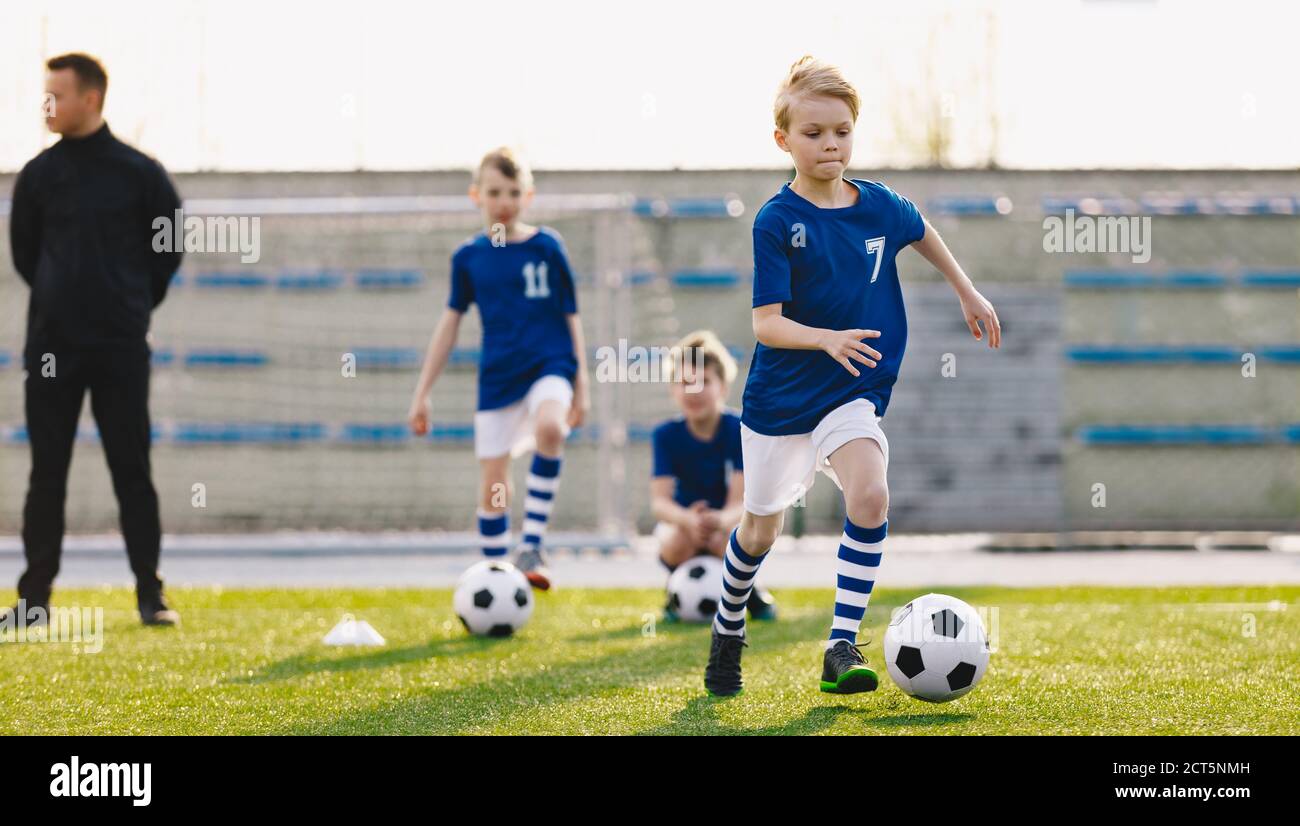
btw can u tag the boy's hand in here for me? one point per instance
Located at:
(581, 401)
(976, 308)
(846, 346)
(418, 416)
(699, 527)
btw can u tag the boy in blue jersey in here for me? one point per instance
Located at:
(533, 386)
(824, 283)
(698, 485)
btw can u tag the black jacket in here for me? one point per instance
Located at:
(81, 228)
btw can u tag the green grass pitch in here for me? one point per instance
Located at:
(1068, 661)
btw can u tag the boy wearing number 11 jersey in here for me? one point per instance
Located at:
(532, 386)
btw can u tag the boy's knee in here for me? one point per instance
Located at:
(549, 434)
(758, 535)
(867, 505)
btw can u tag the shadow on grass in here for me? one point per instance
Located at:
(320, 662)
(905, 720)
(669, 656)
(700, 717)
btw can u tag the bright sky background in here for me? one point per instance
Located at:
(265, 85)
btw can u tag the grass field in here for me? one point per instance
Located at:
(1068, 660)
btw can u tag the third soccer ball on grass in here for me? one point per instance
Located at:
(493, 599)
(936, 648)
(694, 588)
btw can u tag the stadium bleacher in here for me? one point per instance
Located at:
(1109, 373)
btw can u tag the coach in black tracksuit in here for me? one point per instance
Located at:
(81, 227)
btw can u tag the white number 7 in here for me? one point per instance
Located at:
(876, 245)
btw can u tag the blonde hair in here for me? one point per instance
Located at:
(809, 76)
(704, 347)
(506, 161)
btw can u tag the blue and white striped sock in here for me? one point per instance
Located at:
(494, 532)
(738, 570)
(855, 569)
(543, 481)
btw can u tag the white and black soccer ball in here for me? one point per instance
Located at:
(936, 648)
(493, 599)
(695, 587)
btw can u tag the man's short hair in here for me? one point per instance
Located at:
(809, 76)
(90, 73)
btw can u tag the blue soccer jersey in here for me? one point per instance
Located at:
(701, 470)
(524, 291)
(834, 269)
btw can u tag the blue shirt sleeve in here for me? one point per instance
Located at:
(568, 294)
(462, 288)
(910, 222)
(663, 459)
(771, 267)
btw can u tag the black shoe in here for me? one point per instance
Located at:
(25, 614)
(845, 671)
(532, 562)
(722, 675)
(154, 611)
(761, 605)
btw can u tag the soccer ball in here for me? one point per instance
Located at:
(695, 587)
(493, 599)
(936, 648)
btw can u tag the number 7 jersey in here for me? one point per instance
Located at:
(524, 291)
(833, 269)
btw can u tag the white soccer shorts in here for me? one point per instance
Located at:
(510, 429)
(779, 470)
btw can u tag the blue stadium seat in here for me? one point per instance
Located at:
(705, 278)
(1146, 354)
(1253, 204)
(727, 206)
(451, 432)
(1089, 204)
(1271, 279)
(309, 281)
(375, 279)
(231, 280)
(226, 358)
(1176, 203)
(374, 433)
(387, 358)
(248, 432)
(1106, 279)
(464, 356)
(969, 205)
(1179, 435)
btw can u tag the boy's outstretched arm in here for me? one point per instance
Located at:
(974, 307)
(435, 359)
(775, 330)
(581, 383)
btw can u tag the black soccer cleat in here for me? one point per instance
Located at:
(845, 671)
(532, 563)
(155, 611)
(761, 605)
(722, 674)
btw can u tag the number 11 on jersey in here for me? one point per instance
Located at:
(535, 285)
